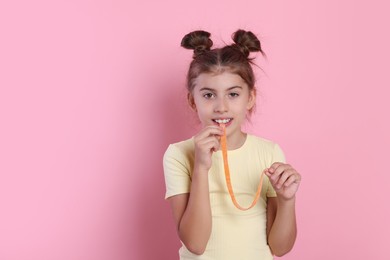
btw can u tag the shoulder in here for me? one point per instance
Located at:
(261, 142)
(177, 164)
(266, 146)
(180, 150)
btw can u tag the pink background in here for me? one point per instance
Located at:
(92, 93)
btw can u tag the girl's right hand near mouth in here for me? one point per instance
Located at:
(206, 141)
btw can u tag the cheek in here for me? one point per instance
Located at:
(202, 113)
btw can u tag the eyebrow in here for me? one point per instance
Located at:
(211, 89)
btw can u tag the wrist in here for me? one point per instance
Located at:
(286, 201)
(201, 169)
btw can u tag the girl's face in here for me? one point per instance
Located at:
(222, 98)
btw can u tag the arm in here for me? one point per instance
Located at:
(281, 225)
(192, 214)
(281, 219)
(191, 211)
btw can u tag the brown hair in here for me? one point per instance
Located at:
(234, 57)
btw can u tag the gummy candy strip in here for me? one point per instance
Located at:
(227, 175)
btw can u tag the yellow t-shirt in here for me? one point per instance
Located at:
(235, 234)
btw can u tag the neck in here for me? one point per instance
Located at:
(236, 140)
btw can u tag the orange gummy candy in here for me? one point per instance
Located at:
(227, 174)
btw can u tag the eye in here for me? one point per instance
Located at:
(208, 95)
(233, 94)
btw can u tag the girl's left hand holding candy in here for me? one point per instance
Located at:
(284, 178)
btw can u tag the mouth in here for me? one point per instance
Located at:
(225, 121)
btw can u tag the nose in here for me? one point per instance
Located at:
(221, 105)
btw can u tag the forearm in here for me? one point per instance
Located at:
(195, 225)
(283, 232)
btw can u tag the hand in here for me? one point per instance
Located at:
(284, 178)
(206, 141)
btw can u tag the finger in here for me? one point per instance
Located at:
(214, 127)
(210, 130)
(200, 141)
(215, 146)
(283, 177)
(267, 171)
(279, 168)
(273, 178)
(210, 144)
(209, 138)
(295, 178)
(276, 170)
(274, 166)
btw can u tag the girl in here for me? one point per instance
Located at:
(221, 89)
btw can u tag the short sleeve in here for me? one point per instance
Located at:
(277, 156)
(176, 172)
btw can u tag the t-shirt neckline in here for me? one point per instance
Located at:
(242, 147)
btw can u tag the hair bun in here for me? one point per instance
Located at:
(199, 41)
(246, 42)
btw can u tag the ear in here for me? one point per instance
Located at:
(191, 101)
(251, 100)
